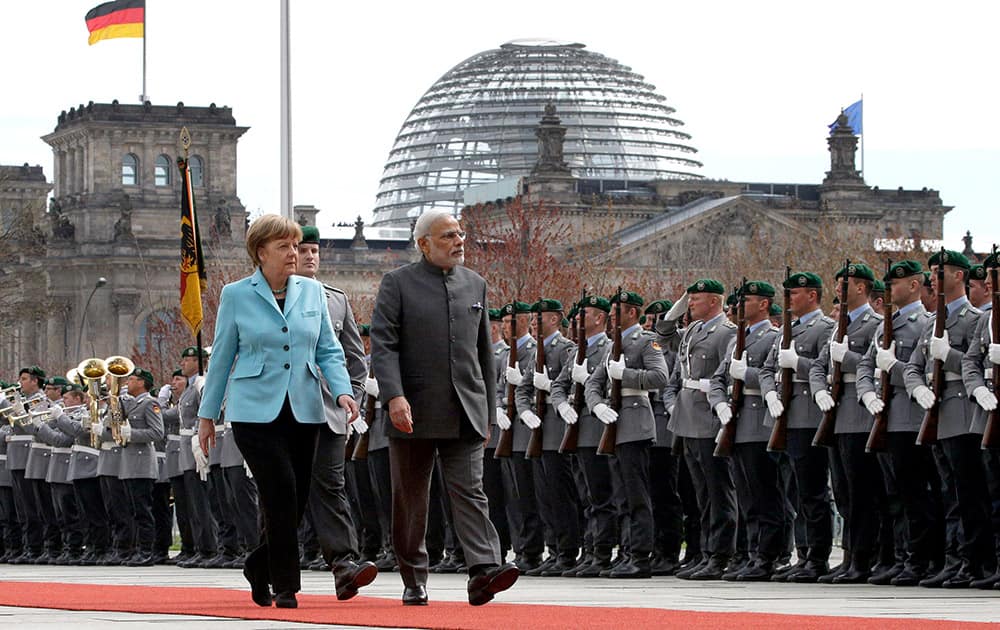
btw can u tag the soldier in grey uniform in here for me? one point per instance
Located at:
(959, 444)
(641, 370)
(35, 470)
(912, 464)
(701, 348)
(378, 470)
(241, 498)
(767, 527)
(811, 331)
(555, 487)
(116, 501)
(527, 535)
(229, 551)
(492, 468)
(170, 411)
(596, 471)
(10, 530)
(865, 488)
(31, 379)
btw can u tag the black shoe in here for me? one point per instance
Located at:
(713, 570)
(885, 575)
(938, 580)
(544, 566)
(837, 571)
(736, 566)
(219, 561)
(451, 564)
(661, 566)
(963, 579)
(320, 565)
(909, 576)
(350, 576)
(236, 563)
(781, 573)
(634, 569)
(192, 562)
(810, 573)
(484, 586)
(386, 561)
(582, 563)
(286, 600)
(415, 596)
(759, 571)
(686, 573)
(162, 558)
(691, 558)
(183, 556)
(44, 558)
(852, 576)
(260, 589)
(987, 582)
(141, 560)
(89, 559)
(560, 566)
(595, 568)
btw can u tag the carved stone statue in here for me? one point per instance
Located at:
(123, 226)
(223, 221)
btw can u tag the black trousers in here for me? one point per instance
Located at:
(329, 511)
(794, 517)
(633, 466)
(892, 530)
(689, 503)
(668, 511)
(812, 476)
(163, 519)
(766, 508)
(991, 468)
(52, 532)
(561, 502)
(493, 487)
(68, 516)
(841, 496)
(713, 480)
(975, 543)
(280, 455)
(227, 538)
(10, 528)
(914, 472)
(199, 510)
(364, 514)
(527, 535)
(603, 515)
(27, 512)
(946, 502)
(241, 495)
(97, 532)
(116, 504)
(140, 497)
(865, 495)
(181, 507)
(381, 482)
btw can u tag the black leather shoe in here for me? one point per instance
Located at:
(837, 571)
(260, 589)
(634, 569)
(528, 563)
(350, 576)
(686, 573)
(544, 566)
(937, 580)
(759, 571)
(386, 561)
(595, 568)
(963, 579)
(415, 596)
(560, 566)
(808, 574)
(664, 566)
(910, 576)
(885, 575)
(220, 561)
(691, 558)
(484, 586)
(852, 576)
(735, 568)
(714, 570)
(585, 561)
(987, 582)
(286, 600)
(141, 560)
(45, 558)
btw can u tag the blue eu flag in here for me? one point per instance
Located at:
(854, 118)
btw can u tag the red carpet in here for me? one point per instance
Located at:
(383, 612)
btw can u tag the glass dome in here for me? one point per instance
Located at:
(476, 125)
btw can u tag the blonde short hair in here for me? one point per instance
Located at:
(268, 228)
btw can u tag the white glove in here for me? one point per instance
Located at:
(774, 406)
(97, 428)
(514, 376)
(371, 387)
(542, 381)
(580, 373)
(995, 352)
(824, 400)
(163, 396)
(670, 410)
(738, 368)
(616, 368)
(872, 403)
(200, 457)
(838, 350)
(246, 467)
(924, 396)
(705, 385)
(530, 420)
(502, 420)
(788, 359)
(359, 426)
(725, 412)
(986, 399)
(678, 309)
(940, 347)
(605, 414)
(886, 358)
(126, 432)
(567, 412)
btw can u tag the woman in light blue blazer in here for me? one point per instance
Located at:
(273, 344)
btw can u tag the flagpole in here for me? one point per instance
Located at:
(862, 135)
(286, 114)
(142, 97)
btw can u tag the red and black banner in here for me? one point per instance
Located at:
(121, 18)
(193, 276)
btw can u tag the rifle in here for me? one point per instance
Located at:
(361, 446)
(534, 448)
(991, 436)
(827, 427)
(610, 436)
(572, 433)
(876, 439)
(505, 443)
(727, 434)
(779, 432)
(929, 427)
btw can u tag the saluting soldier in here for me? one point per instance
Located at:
(959, 445)
(701, 348)
(555, 488)
(641, 369)
(767, 527)
(811, 331)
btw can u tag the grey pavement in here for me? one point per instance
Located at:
(671, 593)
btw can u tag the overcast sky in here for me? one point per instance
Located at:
(755, 82)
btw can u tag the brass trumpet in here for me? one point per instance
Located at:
(22, 409)
(119, 368)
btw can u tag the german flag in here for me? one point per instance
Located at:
(193, 276)
(121, 18)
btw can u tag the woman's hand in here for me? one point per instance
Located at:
(349, 405)
(206, 433)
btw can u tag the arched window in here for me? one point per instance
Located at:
(197, 171)
(161, 171)
(130, 170)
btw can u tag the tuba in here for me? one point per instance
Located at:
(89, 374)
(119, 368)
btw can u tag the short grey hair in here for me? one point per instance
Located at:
(424, 222)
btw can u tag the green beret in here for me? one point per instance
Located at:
(803, 279)
(878, 286)
(903, 269)
(991, 262)
(192, 351)
(977, 272)
(4, 384)
(365, 330)
(642, 320)
(856, 270)
(707, 285)
(659, 306)
(33, 370)
(547, 305)
(177, 372)
(950, 257)
(145, 375)
(519, 308)
(755, 287)
(596, 301)
(927, 279)
(495, 314)
(310, 234)
(57, 381)
(732, 299)
(573, 312)
(564, 323)
(627, 297)
(73, 388)
(774, 310)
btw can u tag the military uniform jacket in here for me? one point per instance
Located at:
(905, 415)
(526, 364)
(750, 426)
(39, 452)
(501, 351)
(172, 435)
(230, 455)
(977, 370)
(590, 428)
(19, 448)
(663, 400)
(852, 416)
(701, 350)
(345, 329)
(138, 459)
(5, 482)
(559, 353)
(808, 338)
(955, 407)
(58, 471)
(83, 459)
(187, 409)
(645, 370)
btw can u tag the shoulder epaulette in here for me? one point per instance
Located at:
(728, 324)
(828, 320)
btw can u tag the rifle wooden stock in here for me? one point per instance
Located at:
(991, 435)
(928, 433)
(349, 445)
(360, 452)
(727, 434)
(534, 448)
(505, 442)
(610, 435)
(571, 435)
(880, 428)
(779, 432)
(827, 428)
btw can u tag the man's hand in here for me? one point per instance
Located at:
(206, 434)
(400, 414)
(885, 358)
(580, 373)
(502, 420)
(349, 405)
(514, 376)
(838, 350)
(541, 381)
(940, 347)
(924, 396)
(738, 368)
(824, 400)
(872, 403)
(725, 413)
(530, 420)
(788, 358)
(605, 414)
(567, 412)
(986, 399)
(774, 405)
